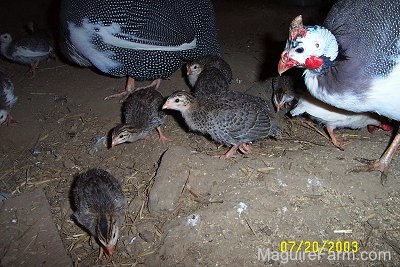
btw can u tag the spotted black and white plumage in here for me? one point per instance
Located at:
(142, 114)
(229, 118)
(7, 97)
(143, 39)
(352, 62)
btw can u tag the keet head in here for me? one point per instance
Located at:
(107, 232)
(179, 101)
(5, 38)
(124, 133)
(307, 47)
(3, 116)
(193, 70)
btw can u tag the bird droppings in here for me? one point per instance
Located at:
(193, 220)
(314, 182)
(241, 207)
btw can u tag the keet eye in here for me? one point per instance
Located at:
(317, 45)
(176, 100)
(299, 50)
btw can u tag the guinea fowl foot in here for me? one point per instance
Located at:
(245, 148)
(10, 120)
(381, 164)
(32, 71)
(231, 153)
(130, 87)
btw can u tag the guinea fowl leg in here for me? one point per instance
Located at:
(32, 70)
(162, 138)
(130, 87)
(381, 164)
(338, 143)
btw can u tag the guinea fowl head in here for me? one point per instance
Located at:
(107, 232)
(308, 47)
(3, 115)
(124, 133)
(180, 101)
(193, 70)
(5, 38)
(283, 93)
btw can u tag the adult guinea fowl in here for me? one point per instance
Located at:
(99, 206)
(229, 118)
(142, 114)
(139, 39)
(352, 62)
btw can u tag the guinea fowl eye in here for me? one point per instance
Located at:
(317, 45)
(299, 50)
(177, 100)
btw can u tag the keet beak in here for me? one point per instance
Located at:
(286, 62)
(188, 70)
(166, 105)
(110, 249)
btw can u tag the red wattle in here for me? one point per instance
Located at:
(313, 62)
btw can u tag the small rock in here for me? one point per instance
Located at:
(147, 236)
(69, 164)
(170, 179)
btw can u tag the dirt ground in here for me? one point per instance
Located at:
(186, 208)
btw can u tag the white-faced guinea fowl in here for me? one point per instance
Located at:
(27, 50)
(195, 67)
(352, 62)
(229, 119)
(138, 39)
(142, 114)
(7, 98)
(99, 204)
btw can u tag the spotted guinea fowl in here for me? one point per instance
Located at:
(229, 119)
(142, 114)
(195, 67)
(99, 206)
(139, 39)
(7, 98)
(352, 62)
(27, 50)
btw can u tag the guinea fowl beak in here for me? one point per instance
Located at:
(286, 62)
(166, 105)
(110, 249)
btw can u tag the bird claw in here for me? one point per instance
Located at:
(372, 165)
